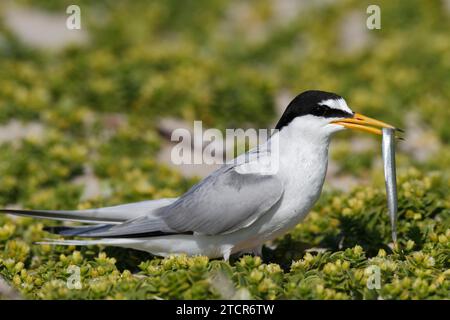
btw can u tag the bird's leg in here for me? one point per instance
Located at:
(226, 253)
(257, 251)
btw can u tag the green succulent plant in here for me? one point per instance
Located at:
(226, 63)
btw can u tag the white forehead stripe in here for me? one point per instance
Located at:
(339, 104)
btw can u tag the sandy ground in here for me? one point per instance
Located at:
(7, 292)
(40, 29)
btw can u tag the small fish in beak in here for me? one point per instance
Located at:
(364, 123)
(388, 151)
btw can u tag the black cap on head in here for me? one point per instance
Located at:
(308, 103)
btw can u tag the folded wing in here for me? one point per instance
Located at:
(224, 202)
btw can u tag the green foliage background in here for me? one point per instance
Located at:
(225, 62)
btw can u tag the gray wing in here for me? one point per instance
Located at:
(223, 202)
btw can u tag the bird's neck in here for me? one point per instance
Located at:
(303, 160)
(306, 143)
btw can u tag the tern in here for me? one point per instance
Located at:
(238, 207)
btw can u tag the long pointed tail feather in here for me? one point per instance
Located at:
(75, 230)
(108, 215)
(108, 242)
(86, 216)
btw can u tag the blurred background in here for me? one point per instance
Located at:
(85, 115)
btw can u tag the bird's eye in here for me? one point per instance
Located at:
(328, 112)
(320, 111)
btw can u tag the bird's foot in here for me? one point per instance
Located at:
(256, 251)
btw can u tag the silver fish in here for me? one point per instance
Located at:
(390, 177)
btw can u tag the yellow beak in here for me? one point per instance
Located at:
(363, 123)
